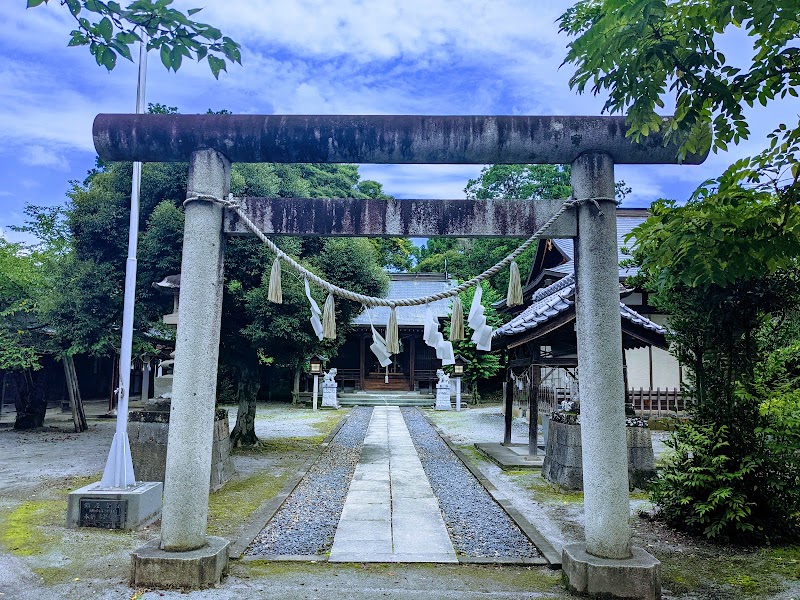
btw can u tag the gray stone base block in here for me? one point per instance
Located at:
(115, 508)
(148, 431)
(153, 567)
(443, 397)
(637, 577)
(563, 462)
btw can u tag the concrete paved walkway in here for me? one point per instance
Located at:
(390, 514)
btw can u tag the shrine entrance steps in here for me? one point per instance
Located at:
(387, 398)
(391, 513)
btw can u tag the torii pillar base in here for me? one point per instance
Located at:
(636, 577)
(203, 568)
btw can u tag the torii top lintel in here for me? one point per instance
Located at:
(379, 139)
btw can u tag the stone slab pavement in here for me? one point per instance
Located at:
(390, 514)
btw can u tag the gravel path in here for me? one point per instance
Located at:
(306, 522)
(478, 526)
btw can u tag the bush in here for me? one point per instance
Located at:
(701, 488)
(748, 490)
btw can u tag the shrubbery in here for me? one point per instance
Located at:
(746, 487)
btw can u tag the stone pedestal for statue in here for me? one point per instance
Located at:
(329, 399)
(443, 396)
(148, 431)
(162, 386)
(563, 461)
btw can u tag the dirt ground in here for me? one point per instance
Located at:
(41, 558)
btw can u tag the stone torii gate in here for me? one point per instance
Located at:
(184, 555)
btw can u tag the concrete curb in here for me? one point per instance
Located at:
(267, 510)
(489, 560)
(552, 558)
(285, 558)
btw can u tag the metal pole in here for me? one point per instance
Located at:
(458, 394)
(314, 394)
(119, 467)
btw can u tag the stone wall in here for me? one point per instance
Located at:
(563, 461)
(148, 432)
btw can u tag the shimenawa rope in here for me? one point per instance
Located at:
(373, 300)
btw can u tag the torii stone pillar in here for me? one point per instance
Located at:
(605, 564)
(183, 525)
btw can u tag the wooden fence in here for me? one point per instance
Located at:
(657, 402)
(646, 403)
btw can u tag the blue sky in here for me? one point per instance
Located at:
(315, 56)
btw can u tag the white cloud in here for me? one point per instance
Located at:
(39, 156)
(320, 56)
(422, 181)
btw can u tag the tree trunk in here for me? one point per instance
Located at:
(31, 402)
(476, 397)
(244, 432)
(75, 402)
(296, 386)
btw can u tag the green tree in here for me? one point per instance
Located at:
(641, 53)
(25, 340)
(725, 265)
(725, 268)
(465, 258)
(256, 331)
(109, 30)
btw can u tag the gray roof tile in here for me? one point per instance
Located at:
(558, 298)
(410, 285)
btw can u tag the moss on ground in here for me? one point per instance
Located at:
(543, 490)
(27, 528)
(22, 530)
(733, 574)
(329, 420)
(36, 530)
(283, 445)
(231, 506)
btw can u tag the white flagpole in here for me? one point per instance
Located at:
(119, 467)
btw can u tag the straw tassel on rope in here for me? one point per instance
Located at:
(392, 334)
(457, 321)
(275, 293)
(514, 296)
(329, 318)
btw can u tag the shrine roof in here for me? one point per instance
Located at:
(627, 220)
(410, 285)
(554, 300)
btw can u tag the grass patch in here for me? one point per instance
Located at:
(32, 526)
(478, 577)
(283, 445)
(239, 499)
(785, 561)
(543, 490)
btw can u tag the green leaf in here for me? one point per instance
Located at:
(105, 29)
(217, 65)
(175, 58)
(166, 58)
(93, 6)
(34, 3)
(109, 59)
(193, 11)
